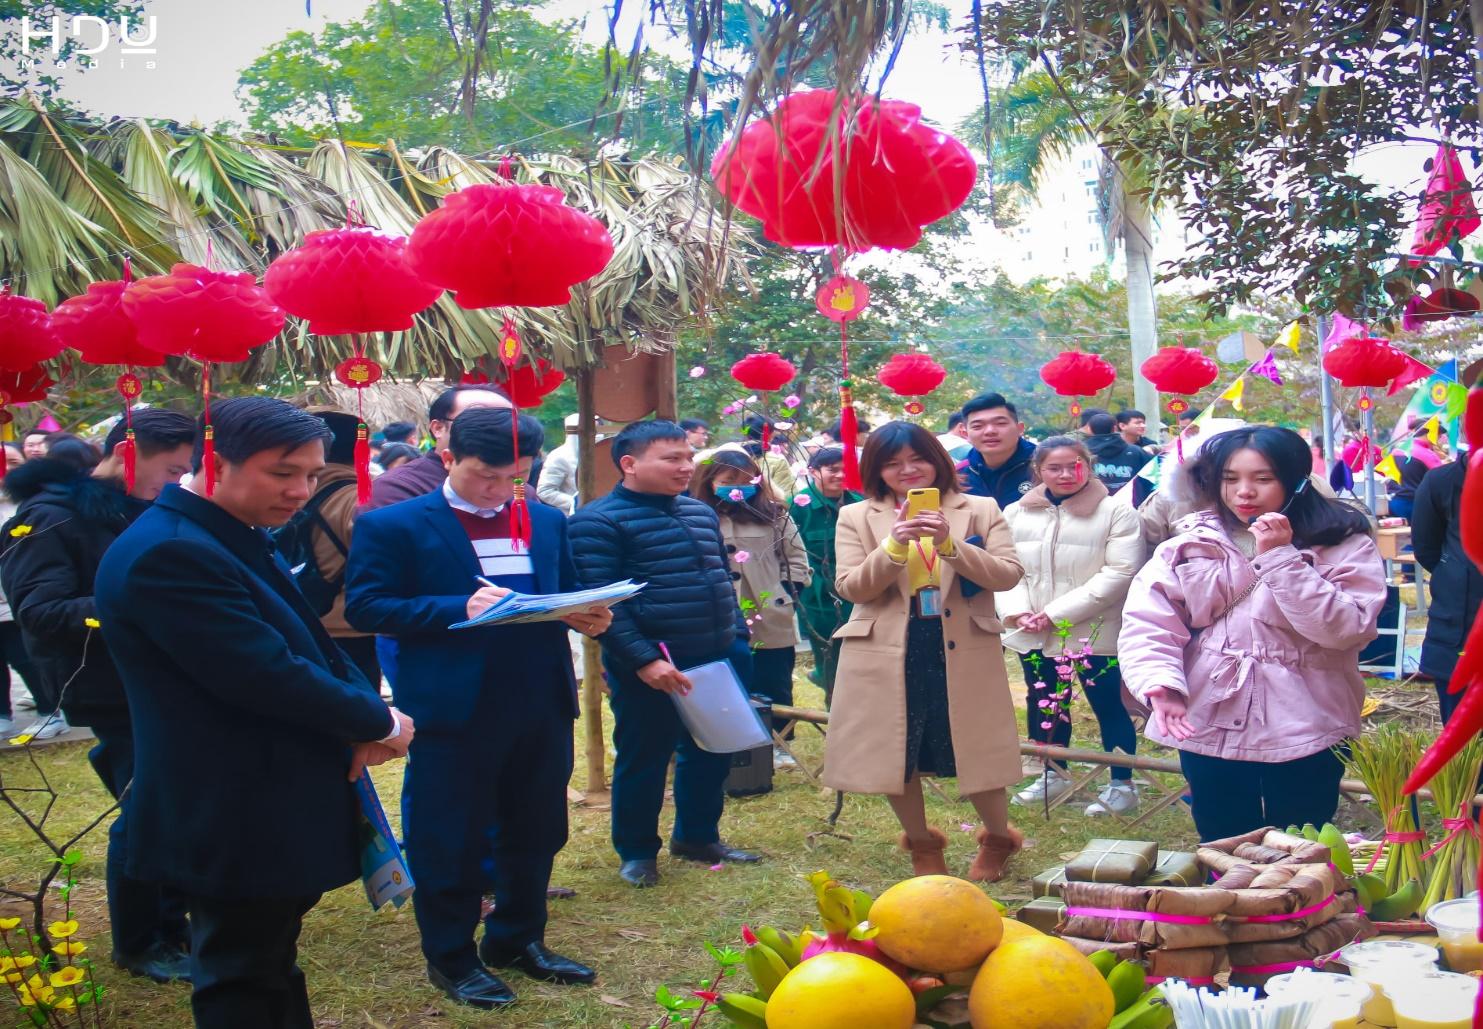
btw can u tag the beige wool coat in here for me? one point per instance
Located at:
(774, 555)
(866, 747)
(1080, 558)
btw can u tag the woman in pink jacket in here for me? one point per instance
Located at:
(1243, 632)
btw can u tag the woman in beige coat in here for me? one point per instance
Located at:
(1081, 549)
(921, 687)
(769, 566)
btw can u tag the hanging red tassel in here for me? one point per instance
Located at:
(127, 451)
(520, 529)
(7, 433)
(766, 434)
(208, 445)
(362, 464)
(849, 434)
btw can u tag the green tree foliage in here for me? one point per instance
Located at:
(425, 72)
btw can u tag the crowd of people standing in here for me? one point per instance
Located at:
(250, 630)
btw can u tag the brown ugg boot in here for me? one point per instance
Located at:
(994, 853)
(926, 855)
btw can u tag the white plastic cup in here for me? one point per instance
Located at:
(1340, 998)
(1433, 1000)
(1376, 961)
(1456, 923)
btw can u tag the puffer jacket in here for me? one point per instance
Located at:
(1005, 484)
(674, 545)
(1080, 557)
(71, 519)
(775, 566)
(1273, 676)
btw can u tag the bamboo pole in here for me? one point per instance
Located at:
(594, 738)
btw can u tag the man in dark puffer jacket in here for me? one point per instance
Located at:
(686, 616)
(71, 517)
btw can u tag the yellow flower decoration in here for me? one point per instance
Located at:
(62, 930)
(26, 999)
(6, 963)
(70, 948)
(64, 1004)
(7, 924)
(23, 739)
(14, 977)
(92, 623)
(66, 977)
(20, 530)
(23, 961)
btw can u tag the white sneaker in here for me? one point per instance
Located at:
(49, 727)
(781, 759)
(1118, 797)
(1047, 787)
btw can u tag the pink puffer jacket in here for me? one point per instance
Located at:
(1277, 677)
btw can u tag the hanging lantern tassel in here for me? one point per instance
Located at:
(766, 433)
(7, 433)
(849, 435)
(362, 464)
(208, 441)
(360, 373)
(129, 387)
(509, 353)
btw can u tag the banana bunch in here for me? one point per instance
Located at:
(774, 955)
(1137, 1006)
(1378, 904)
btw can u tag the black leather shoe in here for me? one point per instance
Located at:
(161, 963)
(478, 989)
(536, 961)
(640, 873)
(711, 853)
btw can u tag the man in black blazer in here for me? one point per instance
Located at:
(249, 723)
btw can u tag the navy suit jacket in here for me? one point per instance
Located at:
(411, 572)
(243, 709)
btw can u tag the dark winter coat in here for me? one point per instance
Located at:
(674, 545)
(1456, 583)
(70, 519)
(1115, 460)
(818, 522)
(1007, 483)
(244, 709)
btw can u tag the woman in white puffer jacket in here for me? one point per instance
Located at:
(1080, 549)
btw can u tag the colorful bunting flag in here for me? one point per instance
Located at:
(1289, 338)
(1441, 396)
(1414, 371)
(1267, 368)
(1341, 329)
(1234, 392)
(1387, 467)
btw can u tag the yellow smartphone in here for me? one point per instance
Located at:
(919, 500)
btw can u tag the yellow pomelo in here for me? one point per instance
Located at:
(936, 923)
(1039, 983)
(1014, 930)
(841, 991)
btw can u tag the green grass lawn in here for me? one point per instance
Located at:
(365, 968)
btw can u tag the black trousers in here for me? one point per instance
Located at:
(772, 677)
(497, 786)
(1103, 687)
(141, 913)
(1447, 701)
(244, 970)
(1234, 797)
(13, 655)
(647, 732)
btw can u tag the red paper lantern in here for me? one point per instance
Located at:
(911, 375)
(1074, 373)
(508, 246)
(27, 335)
(529, 384)
(24, 387)
(349, 281)
(95, 325)
(1182, 370)
(1364, 361)
(898, 175)
(211, 316)
(763, 372)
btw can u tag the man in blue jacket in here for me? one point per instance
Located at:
(999, 466)
(687, 615)
(494, 706)
(249, 723)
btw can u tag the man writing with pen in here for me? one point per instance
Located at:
(494, 705)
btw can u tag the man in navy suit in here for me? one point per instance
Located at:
(246, 715)
(494, 705)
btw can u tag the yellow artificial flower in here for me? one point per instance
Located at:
(6, 963)
(64, 1004)
(35, 985)
(92, 623)
(20, 530)
(26, 999)
(7, 924)
(66, 977)
(62, 930)
(23, 739)
(23, 961)
(70, 948)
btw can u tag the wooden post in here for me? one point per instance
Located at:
(595, 739)
(666, 390)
